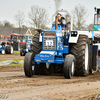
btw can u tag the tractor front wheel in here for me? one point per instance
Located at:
(69, 66)
(29, 69)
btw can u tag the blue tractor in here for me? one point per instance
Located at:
(26, 47)
(4, 47)
(61, 51)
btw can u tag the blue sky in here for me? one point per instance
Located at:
(8, 8)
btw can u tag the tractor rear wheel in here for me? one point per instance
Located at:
(36, 45)
(81, 52)
(6, 49)
(69, 66)
(36, 49)
(90, 61)
(11, 50)
(29, 69)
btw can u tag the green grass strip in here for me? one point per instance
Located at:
(16, 52)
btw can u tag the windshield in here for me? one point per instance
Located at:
(97, 19)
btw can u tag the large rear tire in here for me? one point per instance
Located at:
(28, 68)
(36, 49)
(69, 66)
(6, 49)
(81, 52)
(36, 45)
(90, 61)
(11, 50)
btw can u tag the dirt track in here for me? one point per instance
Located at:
(55, 87)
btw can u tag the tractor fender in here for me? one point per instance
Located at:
(73, 38)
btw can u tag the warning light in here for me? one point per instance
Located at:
(95, 8)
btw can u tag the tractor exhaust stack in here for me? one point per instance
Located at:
(56, 24)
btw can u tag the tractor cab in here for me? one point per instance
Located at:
(15, 37)
(15, 40)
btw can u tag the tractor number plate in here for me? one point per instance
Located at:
(49, 42)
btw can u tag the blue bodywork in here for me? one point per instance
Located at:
(2, 47)
(56, 55)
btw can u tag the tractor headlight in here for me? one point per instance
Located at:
(50, 60)
(74, 33)
(38, 60)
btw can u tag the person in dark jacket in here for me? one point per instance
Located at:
(62, 21)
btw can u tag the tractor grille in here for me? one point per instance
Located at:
(53, 47)
(49, 40)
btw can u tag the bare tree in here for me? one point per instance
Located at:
(79, 17)
(38, 16)
(19, 17)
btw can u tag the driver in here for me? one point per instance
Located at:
(62, 21)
